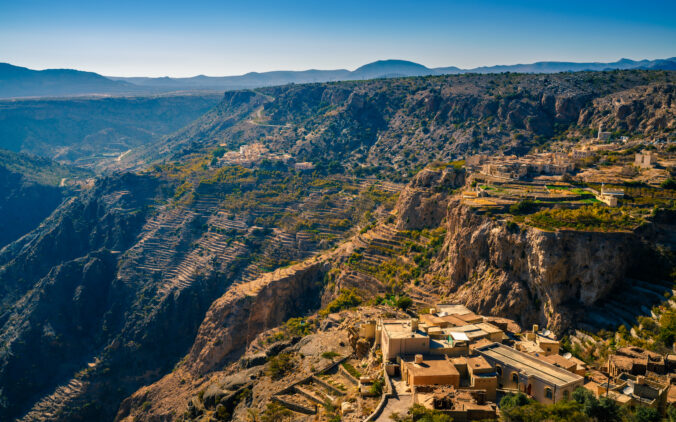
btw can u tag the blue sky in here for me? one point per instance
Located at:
(186, 38)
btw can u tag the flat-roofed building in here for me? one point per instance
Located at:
(401, 337)
(494, 333)
(472, 331)
(452, 309)
(461, 405)
(477, 374)
(546, 383)
(429, 370)
(571, 364)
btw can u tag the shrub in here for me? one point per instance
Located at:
(275, 412)
(377, 387)
(419, 413)
(403, 302)
(280, 365)
(351, 369)
(668, 184)
(330, 355)
(348, 298)
(593, 217)
(522, 207)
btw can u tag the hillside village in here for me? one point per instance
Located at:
(452, 361)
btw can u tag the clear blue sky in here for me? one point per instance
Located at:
(186, 38)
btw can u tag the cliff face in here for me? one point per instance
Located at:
(528, 274)
(423, 202)
(230, 324)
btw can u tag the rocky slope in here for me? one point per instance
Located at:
(94, 132)
(523, 273)
(172, 267)
(528, 274)
(397, 125)
(109, 292)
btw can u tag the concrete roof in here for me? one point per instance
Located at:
(431, 365)
(400, 329)
(489, 328)
(529, 365)
(453, 309)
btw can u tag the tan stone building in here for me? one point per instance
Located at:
(429, 370)
(402, 337)
(517, 370)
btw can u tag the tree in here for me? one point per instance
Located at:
(275, 412)
(419, 413)
(404, 302)
(646, 414)
(668, 184)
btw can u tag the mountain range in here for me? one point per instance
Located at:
(18, 81)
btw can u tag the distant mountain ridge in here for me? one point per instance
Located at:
(18, 81)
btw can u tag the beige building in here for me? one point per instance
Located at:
(645, 160)
(517, 370)
(428, 370)
(477, 374)
(402, 337)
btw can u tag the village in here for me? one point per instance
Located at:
(569, 174)
(453, 361)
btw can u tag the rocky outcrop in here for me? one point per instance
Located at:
(248, 309)
(423, 202)
(231, 323)
(531, 275)
(648, 110)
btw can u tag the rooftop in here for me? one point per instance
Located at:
(400, 329)
(453, 309)
(431, 365)
(529, 365)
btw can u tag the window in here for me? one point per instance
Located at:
(548, 393)
(515, 377)
(565, 394)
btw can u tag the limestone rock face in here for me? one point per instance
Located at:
(423, 203)
(531, 275)
(237, 317)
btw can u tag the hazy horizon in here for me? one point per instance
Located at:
(210, 38)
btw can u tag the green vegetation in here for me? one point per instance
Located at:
(377, 387)
(653, 335)
(583, 406)
(351, 369)
(275, 412)
(330, 355)
(402, 301)
(523, 207)
(347, 299)
(40, 170)
(419, 413)
(586, 218)
(280, 365)
(668, 184)
(292, 328)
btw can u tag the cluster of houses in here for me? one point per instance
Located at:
(634, 376)
(511, 167)
(251, 154)
(456, 361)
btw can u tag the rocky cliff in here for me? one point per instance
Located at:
(232, 322)
(528, 274)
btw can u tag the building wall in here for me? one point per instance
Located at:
(490, 384)
(403, 346)
(432, 379)
(537, 389)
